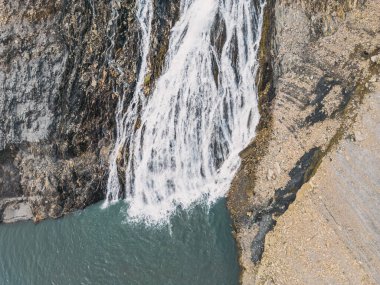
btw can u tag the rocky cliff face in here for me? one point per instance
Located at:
(63, 65)
(316, 59)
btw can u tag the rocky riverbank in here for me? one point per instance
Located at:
(318, 60)
(330, 235)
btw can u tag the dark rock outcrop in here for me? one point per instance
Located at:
(56, 112)
(63, 66)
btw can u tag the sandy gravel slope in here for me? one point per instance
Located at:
(331, 234)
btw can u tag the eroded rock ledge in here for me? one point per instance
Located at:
(318, 60)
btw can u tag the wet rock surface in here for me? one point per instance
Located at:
(315, 67)
(49, 149)
(63, 65)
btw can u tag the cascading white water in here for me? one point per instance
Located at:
(192, 126)
(126, 120)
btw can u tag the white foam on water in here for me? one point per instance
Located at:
(192, 127)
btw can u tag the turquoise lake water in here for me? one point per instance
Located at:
(98, 246)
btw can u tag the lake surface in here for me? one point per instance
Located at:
(97, 246)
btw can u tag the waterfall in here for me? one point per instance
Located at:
(202, 112)
(126, 120)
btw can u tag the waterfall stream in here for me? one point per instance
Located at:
(202, 112)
